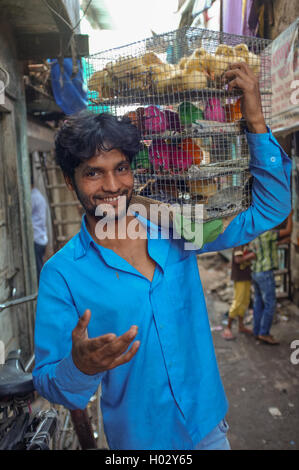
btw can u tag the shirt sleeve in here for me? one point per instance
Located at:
(271, 194)
(55, 375)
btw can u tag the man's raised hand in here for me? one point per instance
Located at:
(241, 76)
(93, 355)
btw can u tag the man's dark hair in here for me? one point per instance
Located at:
(84, 134)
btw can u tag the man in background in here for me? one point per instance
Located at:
(241, 275)
(265, 261)
(39, 219)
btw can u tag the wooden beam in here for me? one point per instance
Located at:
(50, 46)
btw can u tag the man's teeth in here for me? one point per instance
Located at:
(110, 199)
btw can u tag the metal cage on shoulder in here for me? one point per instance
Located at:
(194, 145)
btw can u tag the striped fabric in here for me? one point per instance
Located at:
(265, 248)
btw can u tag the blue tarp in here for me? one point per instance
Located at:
(70, 94)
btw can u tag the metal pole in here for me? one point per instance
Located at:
(22, 300)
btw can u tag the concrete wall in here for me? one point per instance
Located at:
(17, 262)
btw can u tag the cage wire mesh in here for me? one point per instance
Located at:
(194, 149)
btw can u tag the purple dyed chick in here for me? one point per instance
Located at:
(214, 111)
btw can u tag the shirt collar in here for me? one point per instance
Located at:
(158, 242)
(83, 240)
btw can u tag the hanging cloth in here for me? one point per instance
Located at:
(70, 93)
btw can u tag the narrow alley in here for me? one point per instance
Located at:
(260, 380)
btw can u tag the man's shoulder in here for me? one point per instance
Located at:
(65, 255)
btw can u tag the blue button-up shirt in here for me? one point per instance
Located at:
(170, 395)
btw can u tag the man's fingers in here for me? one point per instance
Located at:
(242, 66)
(121, 344)
(101, 341)
(236, 83)
(235, 73)
(124, 358)
(82, 324)
(111, 345)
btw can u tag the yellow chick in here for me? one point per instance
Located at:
(151, 58)
(130, 73)
(253, 60)
(194, 80)
(95, 81)
(199, 60)
(241, 50)
(173, 81)
(218, 62)
(160, 75)
(102, 83)
(124, 66)
(182, 62)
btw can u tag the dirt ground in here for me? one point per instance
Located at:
(261, 382)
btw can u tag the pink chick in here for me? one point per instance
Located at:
(160, 154)
(214, 111)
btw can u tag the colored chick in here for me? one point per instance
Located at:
(214, 111)
(253, 60)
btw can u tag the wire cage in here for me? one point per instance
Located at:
(194, 149)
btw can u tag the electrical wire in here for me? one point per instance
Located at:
(84, 13)
(72, 28)
(58, 15)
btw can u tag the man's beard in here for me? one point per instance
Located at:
(91, 209)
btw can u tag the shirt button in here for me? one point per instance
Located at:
(273, 159)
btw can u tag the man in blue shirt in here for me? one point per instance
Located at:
(130, 313)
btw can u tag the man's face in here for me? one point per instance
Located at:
(102, 179)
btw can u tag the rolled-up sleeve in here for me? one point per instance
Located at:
(271, 194)
(55, 375)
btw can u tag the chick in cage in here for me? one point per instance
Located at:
(148, 73)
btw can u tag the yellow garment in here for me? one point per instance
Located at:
(241, 299)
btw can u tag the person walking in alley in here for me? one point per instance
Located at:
(241, 275)
(39, 224)
(129, 312)
(265, 261)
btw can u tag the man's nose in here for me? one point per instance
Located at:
(111, 184)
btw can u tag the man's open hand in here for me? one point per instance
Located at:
(93, 355)
(241, 76)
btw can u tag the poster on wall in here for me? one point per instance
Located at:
(285, 80)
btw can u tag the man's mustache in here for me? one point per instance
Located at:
(101, 198)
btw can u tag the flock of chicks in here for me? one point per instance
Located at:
(149, 73)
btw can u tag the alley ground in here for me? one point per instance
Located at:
(261, 383)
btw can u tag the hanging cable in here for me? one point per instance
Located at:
(72, 28)
(70, 42)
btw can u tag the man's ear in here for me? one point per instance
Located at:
(69, 182)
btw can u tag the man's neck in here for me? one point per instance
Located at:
(118, 238)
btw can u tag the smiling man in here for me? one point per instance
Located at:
(130, 313)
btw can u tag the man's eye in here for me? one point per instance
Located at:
(91, 173)
(123, 168)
